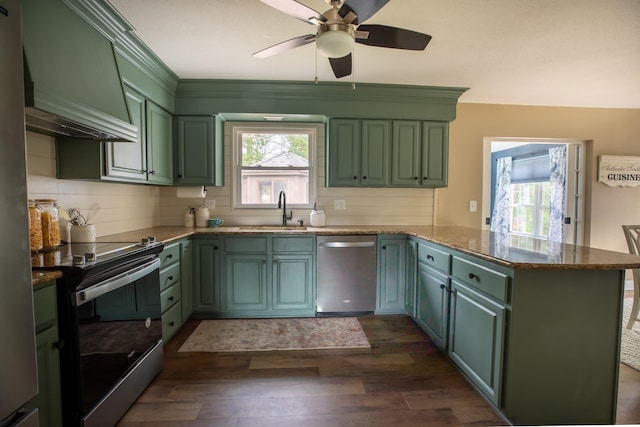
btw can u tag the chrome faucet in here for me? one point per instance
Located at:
(282, 203)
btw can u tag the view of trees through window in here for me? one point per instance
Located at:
(530, 206)
(273, 162)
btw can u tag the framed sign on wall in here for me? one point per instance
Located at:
(619, 171)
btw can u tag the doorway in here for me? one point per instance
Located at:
(530, 194)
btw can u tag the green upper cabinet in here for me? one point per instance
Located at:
(199, 156)
(159, 144)
(147, 161)
(385, 153)
(358, 153)
(419, 154)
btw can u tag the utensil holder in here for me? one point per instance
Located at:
(83, 233)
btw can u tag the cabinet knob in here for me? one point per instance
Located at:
(384, 247)
(429, 257)
(415, 177)
(355, 177)
(215, 248)
(152, 172)
(442, 286)
(364, 177)
(170, 298)
(424, 178)
(172, 323)
(170, 256)
(59, 345)
(473, 276)
(170, 278)
(179, 175)
(264, 261)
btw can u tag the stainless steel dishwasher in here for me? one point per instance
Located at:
(346, 274)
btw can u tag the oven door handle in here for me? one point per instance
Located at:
(116, 282)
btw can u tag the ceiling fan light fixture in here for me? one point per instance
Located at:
(336, 43)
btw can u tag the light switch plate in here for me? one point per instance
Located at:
(473, 205)
(339, 204)
(210, 203)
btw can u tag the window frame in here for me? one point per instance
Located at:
(537, 207)
(238, 129)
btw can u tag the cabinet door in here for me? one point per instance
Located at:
(432, 311)
(292, 282)
(375, 151)
(391, 268)
(195, 151)
(159, 147)
(128, 159)
(411, 270)
(343, 153)
(405, 166)
(476, 338)
(246, 282)
(186, 278)
(49, 398)
(434, 154)
(206, 280)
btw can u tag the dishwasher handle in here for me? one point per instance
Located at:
(347, 244)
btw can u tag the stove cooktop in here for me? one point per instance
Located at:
(87, 255)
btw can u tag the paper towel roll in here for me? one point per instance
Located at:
(192, 192)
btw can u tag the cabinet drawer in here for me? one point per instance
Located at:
(294, 244)
(489, 281)
(169, 276)
(45, 307)
(169, 297)
(434, 257)
(246, 244)
(170, 255)
(171, 322)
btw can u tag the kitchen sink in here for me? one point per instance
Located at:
(271, 227)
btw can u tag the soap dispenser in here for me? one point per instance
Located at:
(317, 217)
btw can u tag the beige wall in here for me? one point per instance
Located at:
(122, 207)
(610, 131)
(364, 206)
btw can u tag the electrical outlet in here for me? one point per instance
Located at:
(339, 205)
(473, 205)
(210, 203)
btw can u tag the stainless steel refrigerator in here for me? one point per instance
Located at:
(18, 369)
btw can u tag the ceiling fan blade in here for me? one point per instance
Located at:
(286, 45)
(365, 9)
(297, 10)
(341, 66)
(396, 38)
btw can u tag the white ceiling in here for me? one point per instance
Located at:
(582, 53)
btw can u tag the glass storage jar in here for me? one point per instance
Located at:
(50, 223)
(35, 226)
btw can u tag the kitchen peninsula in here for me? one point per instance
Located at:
(536, 330)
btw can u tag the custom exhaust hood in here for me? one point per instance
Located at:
(72, 83)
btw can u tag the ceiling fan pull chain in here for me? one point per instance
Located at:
(316, 79)
(353, 65)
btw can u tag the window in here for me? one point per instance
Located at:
(271, 159)
(530, 204)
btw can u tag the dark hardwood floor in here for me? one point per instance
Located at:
(403, 380)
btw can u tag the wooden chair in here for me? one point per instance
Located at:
(632, 234)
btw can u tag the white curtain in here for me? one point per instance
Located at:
(558, 163)
(501, 215)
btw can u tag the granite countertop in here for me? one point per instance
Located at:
(505, 250)
(42, 276)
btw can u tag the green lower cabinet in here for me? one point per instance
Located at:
(246, 282)
(292, 282)
(170, 290)
(391, 275)
(186, 278)
(206, 276)
(432, 306)
(476, 338)
(49, 398)
(411, 271)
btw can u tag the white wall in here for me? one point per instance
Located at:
(122, 207)
(364, 206)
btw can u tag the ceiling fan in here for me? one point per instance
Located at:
(340, 27)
